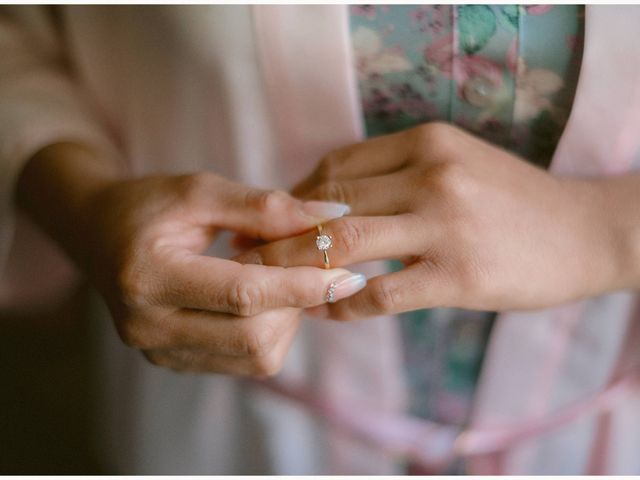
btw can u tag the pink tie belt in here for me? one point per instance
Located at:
(432, 446)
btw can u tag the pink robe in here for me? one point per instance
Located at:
(259, 94)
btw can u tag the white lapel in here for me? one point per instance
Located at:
(602, 133)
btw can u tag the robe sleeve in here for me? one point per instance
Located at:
(40, 104)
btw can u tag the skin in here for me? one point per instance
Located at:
(475, 226)
(140, 242)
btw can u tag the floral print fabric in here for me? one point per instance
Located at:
(507, 73)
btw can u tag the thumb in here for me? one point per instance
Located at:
(270, 214)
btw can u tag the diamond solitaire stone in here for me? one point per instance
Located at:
(323, 242)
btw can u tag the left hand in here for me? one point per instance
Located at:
(475, 226)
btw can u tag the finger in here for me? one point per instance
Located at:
(354, 240)
(377, 156)
(218, 285)
(265, 363)
(189, 361)
(382, 195)
(224, 334)
(259, 366)
(418, 286)
(268, 214)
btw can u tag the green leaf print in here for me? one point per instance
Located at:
(510, 15)
(476, 24)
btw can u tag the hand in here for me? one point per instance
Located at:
(475, 226)
(140, 242)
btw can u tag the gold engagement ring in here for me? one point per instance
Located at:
(324, 243)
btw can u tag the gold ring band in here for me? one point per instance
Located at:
(324, 243)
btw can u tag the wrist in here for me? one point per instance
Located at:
(618, 221)
(58, 188)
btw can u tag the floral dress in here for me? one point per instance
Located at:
(506, 73)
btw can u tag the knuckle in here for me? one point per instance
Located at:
(437, 128)
(168, 333)
(433, 136)
(156, 358)
(192, 186)
(384, 298)
(452, 180)
(133, 335)
(267, 201)
(244, 298)
(327, 165)
(335, 191)
(433, 130)
(331, 165)
(177, 361)
(349, 236)
(267, 366)
(132, 282)
(258, 343)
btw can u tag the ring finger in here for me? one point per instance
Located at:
(352, 240)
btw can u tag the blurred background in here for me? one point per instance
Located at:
(45, 393)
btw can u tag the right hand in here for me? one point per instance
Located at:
(142, 248)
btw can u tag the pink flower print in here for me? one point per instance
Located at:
(429, 18)
(411, 101)
(463, 122)
(367, 11)
(512, 56)
(534, 89)
(419, 108)
(474, 66)
(418, 15)
(492, 125)
(396, 49)
(380, 103)
(440, 18)
(371, 56)
(440, 54)
(538, 9)
(388, 29)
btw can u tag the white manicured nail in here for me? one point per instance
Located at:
(345, 286)
(325, 210)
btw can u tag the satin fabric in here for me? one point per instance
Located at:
(252, 94)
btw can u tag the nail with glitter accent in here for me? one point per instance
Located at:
(325, 210)
(345, 286)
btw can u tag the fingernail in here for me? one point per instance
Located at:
(345, 286)
(325, 210)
